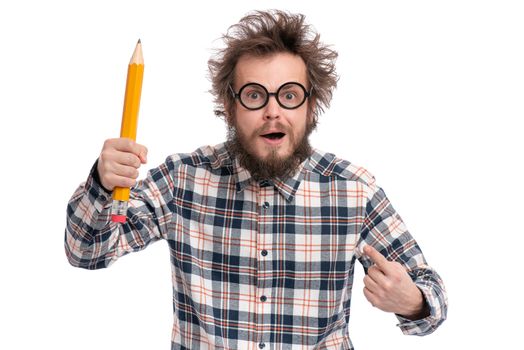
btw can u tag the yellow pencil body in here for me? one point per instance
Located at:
(135, 74)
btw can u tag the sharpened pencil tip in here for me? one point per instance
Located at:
(139, 42)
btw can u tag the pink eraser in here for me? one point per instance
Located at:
(118, 218)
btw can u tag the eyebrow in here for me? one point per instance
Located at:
(279, 86)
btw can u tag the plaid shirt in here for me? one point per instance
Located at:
(255, 265)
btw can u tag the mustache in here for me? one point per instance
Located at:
(264, 129)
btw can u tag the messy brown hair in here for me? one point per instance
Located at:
(264, 33)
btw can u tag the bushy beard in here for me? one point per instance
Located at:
(273, 166)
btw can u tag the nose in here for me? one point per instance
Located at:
(272, 109)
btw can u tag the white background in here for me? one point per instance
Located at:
(430, 100)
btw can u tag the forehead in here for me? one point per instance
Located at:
(270, 71)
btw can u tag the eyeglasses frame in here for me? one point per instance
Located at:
(235, 95)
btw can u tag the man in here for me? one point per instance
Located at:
(263, 230)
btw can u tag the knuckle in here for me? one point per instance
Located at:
(397, 278)
(106, 156)
(103, 155)
(388, 286)
(129, 143)
(125, 171)
(132, 173)
(110, 143)
(130, 159)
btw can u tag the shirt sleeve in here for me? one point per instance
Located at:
(93, 241)
(384, 229)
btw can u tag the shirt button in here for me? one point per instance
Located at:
(263, 298)
(265, 205)
(261, 345)
(263, 252)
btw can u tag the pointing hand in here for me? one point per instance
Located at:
(389, 287)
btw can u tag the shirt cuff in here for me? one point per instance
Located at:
(424, 326)
(98, 195)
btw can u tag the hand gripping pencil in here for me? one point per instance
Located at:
(135, 74)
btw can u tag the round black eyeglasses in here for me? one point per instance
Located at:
(254, 96)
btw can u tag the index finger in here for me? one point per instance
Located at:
(125, 144)
(128, 145)
(375, 256)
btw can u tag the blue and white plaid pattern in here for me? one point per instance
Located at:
(255, 265)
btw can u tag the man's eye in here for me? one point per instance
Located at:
(254, 95)
(289, 95)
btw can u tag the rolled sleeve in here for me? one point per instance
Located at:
(93, 241)
(432, 288)
(385, 231)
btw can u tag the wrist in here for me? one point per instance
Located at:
(419, 310)
(96, 177)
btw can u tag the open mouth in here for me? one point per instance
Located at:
(274, 135)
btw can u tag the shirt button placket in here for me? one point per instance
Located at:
(264, 305)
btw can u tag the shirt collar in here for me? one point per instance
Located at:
(287, 188)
